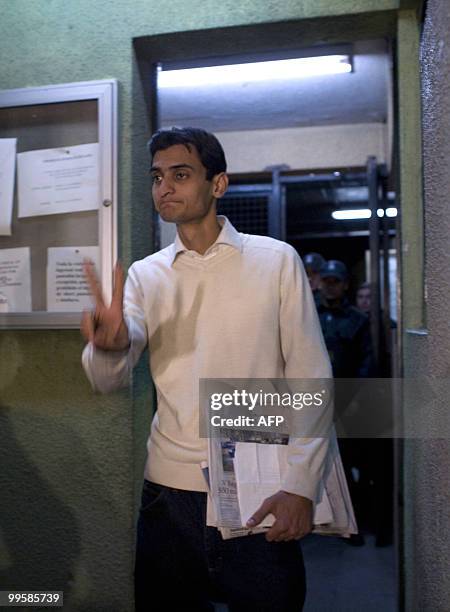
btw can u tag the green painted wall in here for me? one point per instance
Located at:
(70, 459)
(427, 462)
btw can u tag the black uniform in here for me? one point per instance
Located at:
(346, 331)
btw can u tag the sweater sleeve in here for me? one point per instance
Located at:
(111, 370)
(305, 357)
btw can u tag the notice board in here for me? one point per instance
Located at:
(58, 200)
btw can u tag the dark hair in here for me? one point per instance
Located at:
(208, 147)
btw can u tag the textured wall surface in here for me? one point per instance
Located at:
(410, 170)
(427, 469)
(69, 458)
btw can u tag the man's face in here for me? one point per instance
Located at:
(333, 288)
(363, 299)
(180, 190)
(314, 278)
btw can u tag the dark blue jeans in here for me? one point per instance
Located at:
(183, 565)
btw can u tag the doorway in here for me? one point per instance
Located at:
(294, 203)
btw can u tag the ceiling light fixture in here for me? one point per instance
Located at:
(345, 215)
(361, 213)
(257, 71)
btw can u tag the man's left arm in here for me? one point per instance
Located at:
(305, 357)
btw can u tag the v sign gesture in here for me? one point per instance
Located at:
(105, 326)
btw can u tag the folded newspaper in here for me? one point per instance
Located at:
(244, 470)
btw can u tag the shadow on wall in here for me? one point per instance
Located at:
(61, 527)
(39, 531)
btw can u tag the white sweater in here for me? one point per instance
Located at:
(244, 309)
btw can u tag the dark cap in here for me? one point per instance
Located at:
(315, 261)
(335, 268)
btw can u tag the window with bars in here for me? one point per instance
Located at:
(247, 212)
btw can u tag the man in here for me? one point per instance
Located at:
(313, 263)
(345, 329)
(216, 303)
(380, 461)
(387, 341)
(347, 335)
(363, 298)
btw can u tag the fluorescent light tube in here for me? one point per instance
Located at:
(257, 71)
(391, 212)
(345, 215)
(361, 213)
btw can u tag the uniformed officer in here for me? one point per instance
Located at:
(346, 331)
(380, 465)
(313, 263)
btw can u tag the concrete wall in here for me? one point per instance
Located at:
(427, 462)
(69, 459)
(334, 146)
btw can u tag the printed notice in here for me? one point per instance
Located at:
(67, 289)
(53, 181)
(7, 171)
(15, 280)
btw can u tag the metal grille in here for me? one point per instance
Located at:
(248, 213)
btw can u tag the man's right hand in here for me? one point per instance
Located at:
(105, 326)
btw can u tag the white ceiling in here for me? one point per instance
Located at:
(357, 97)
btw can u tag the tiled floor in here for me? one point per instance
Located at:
(343, 578)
